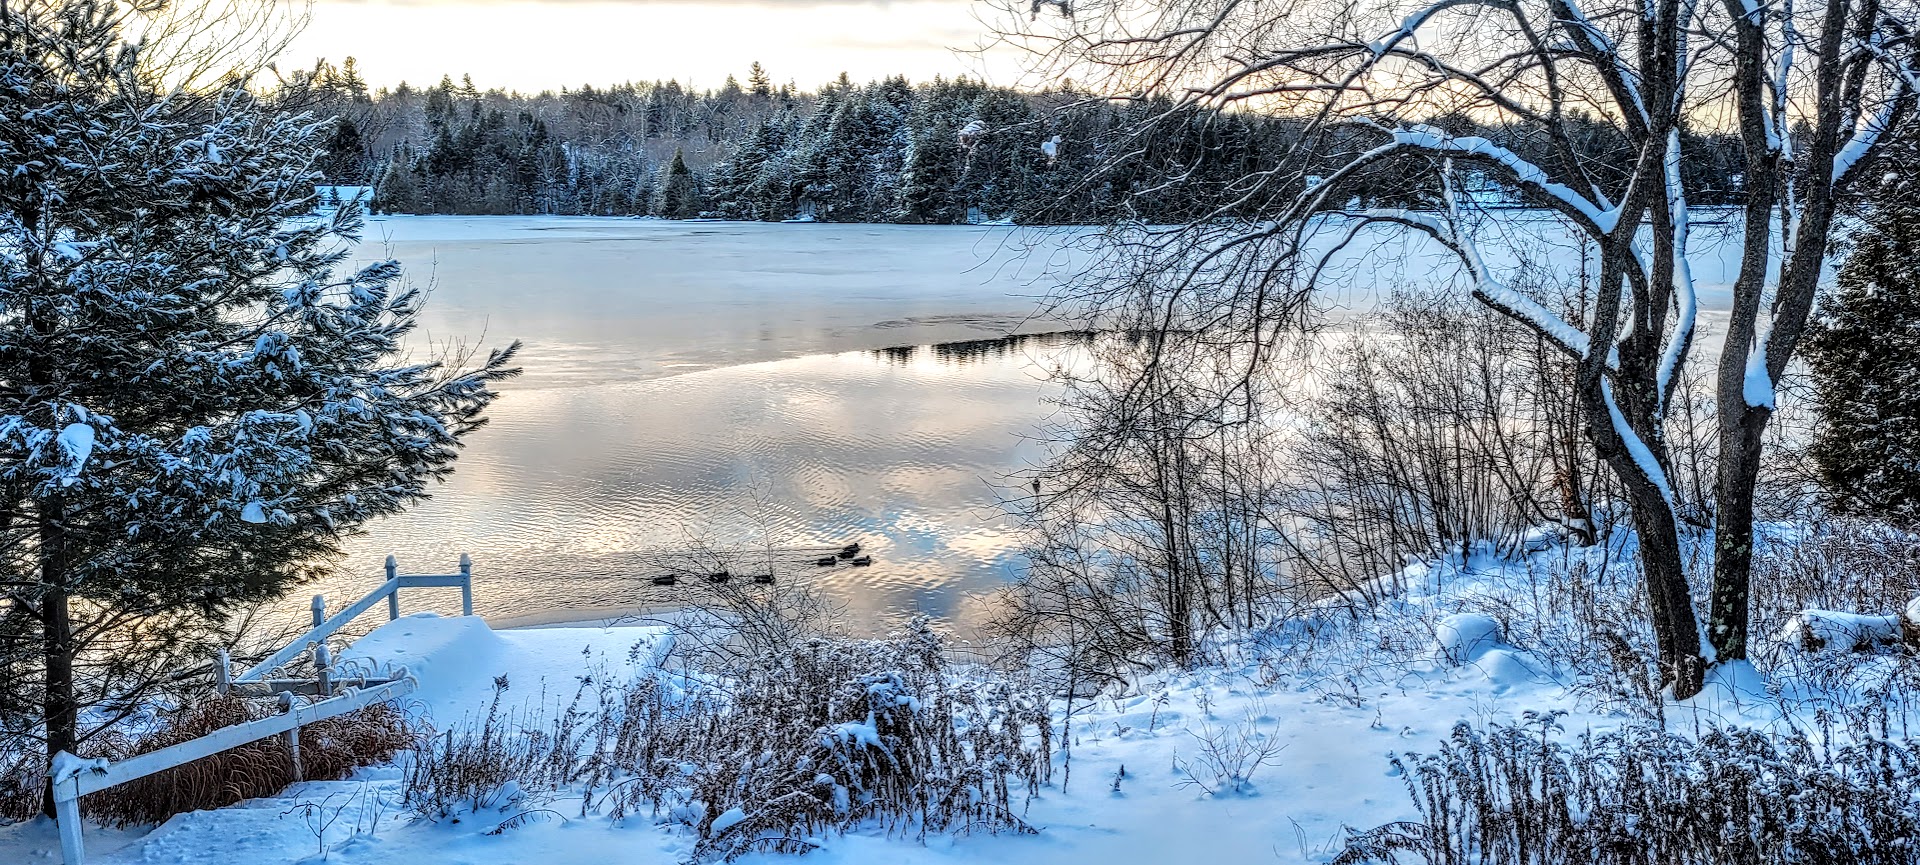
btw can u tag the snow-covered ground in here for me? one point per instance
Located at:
(1134, 787)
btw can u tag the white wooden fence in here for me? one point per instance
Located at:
(72, 777)
(390, 590)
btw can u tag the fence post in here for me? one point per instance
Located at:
(319, 609)
(323, 662)
(66, 815)
(466, 585)
(293, 738)
(393, 597)
(223, 673)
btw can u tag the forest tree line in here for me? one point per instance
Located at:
(945, 151)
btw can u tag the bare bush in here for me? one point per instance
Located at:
(1227, 756)
(1429, 429)
(1152, 528)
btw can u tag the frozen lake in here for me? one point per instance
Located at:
(723, 384)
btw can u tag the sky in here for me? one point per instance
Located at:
(534, 45)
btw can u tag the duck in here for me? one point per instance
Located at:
(763, 578)
(718, 577)
(825, 561)
(850, 550)
(863, 560)
(665, 580)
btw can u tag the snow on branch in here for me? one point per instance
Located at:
(1530, 312)
(1686, 300)
(1602, 45)
(1863, 140)
(1636, 448)
(1526, 174)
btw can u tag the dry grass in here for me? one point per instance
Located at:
(329, 749)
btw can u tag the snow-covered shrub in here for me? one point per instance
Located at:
(507, 756)
(1643, 795)
(835, 734)
(1835, 585)
(762, 750)
(1462, 637)
(1570, 615)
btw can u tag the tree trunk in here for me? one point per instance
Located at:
(56, 633)
(1740, 446)
(62, 713)
(1675, 627)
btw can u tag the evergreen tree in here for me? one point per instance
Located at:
(679, 191)
(397, 190)
(1864, 355)
(759, 83)
(343, 162)
(199, 405)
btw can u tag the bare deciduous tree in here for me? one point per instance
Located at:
(1587, 109)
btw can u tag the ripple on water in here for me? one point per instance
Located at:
(566, 499)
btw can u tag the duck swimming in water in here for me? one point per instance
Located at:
(850, 550)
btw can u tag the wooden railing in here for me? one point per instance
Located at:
(390, 590)
(72, 777)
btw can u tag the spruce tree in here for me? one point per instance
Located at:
(343, 162)
(759, 83)
(1864, 355)
(679, 191)
(198, 404)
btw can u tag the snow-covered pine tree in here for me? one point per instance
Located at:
(1864, 355)
(197, 402)
(679, 190)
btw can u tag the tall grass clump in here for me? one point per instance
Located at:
(330, 749)
(1847, 793)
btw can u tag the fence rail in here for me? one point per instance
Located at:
(72, 777)
(97, 776)
(389, 590)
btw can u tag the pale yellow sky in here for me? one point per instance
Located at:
(548, 44)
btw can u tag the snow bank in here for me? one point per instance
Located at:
(1462, 638)
(1816, 630)
(458, 659)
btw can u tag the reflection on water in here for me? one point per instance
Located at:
(1018, 347)
(567, 499)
